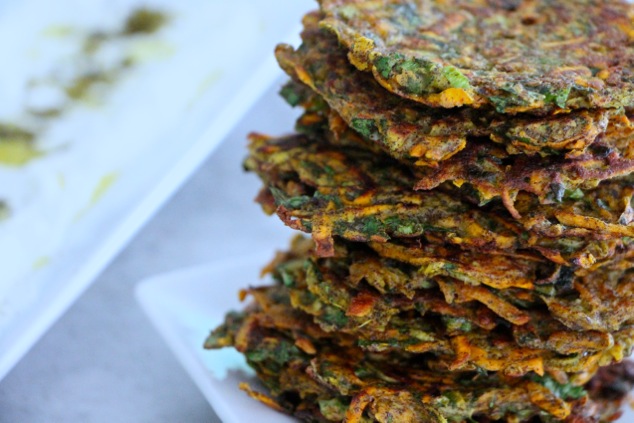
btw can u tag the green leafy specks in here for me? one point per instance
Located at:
(577, 194)
(515, 96)
(296, 202)
(457, 324)
(564, 391)
(290, 95)
(333, 409)
(450, 266)
(405, 229)
(281, 199)
(287, 272)
(418, 76)
(365, 127)
(335, 317)
(558, 97)
(385, 64)
(401, 226)
(279, 351)
(371, 226)
(455, 78)
(411, 65)
(500, 103)
(547, 290)
(452, 399)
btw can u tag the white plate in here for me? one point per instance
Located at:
(224, 65)
(185, 305)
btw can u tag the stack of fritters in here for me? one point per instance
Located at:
(465, 170)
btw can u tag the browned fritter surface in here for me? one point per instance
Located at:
(343, 191)
(465, 170)
(419, 134)
(322, 376)
(513, 55)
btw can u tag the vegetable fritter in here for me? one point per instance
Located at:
(360, 195)
(318, 378)
(512, 55)
(416, 133)
(462, 324)
(465, 169)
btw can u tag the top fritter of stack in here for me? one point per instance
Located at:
(517, 56)
(565, 67)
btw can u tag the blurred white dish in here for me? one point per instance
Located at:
(184, 306)
(157, 126)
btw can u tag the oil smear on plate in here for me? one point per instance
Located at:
(98, 57)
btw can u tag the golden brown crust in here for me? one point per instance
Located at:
(512, 55)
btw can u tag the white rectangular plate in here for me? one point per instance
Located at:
(217, 61)
(184, 306)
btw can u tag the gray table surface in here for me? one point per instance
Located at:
(103, 361)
